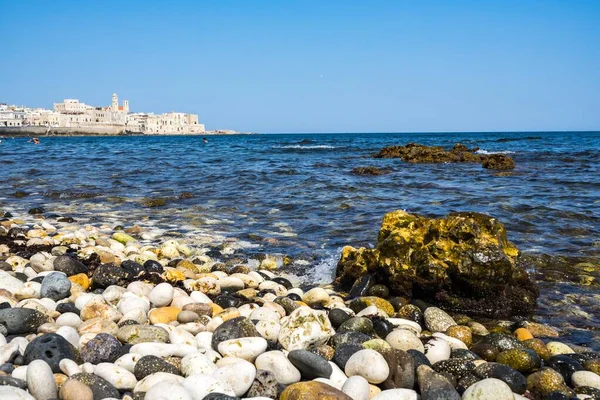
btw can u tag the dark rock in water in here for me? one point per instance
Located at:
(344, 352)
(357, 324)
(264, 385)
(455, 367)
(17, 233)
(10, 381)
(282, 281)
(153, 266)
(402, 369)
(102, 348)
(150, 364)
(233, 329)
(361, 286)
(508, 375)
(68, 220)
(100, 387)
(374, 171)
(51, 348)
(310, 365)
(67, 307)
(225, 301)
(564, 365)
(583, 357)
(498, 161)
(419, 358)
(337, 317)
(471, 267)
(55, 286)
(348, 338)
(21, 320)
(108, 274)
(464, 354)
(434, 386)
(379, 291)
(36, 211)
(466, 381)
(486, 351)
(134, 268)
(69, 265)
(382, 327)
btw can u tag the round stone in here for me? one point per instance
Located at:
(337, 317)
(508, 375)
(462, 333)
(523, 360)
(369, 364)
(161, 295)
(134, 334)
(233, 329)
(309, 364)
(437, 350)
(40, 380)
(167, 390)
(148, 365)
(437, 320)
(102, 348)
(403, 339)
(402, 369)
(69, 265)
(50, 348)
(55, 286)
(488, 389)
(276, 362)
(72, 389)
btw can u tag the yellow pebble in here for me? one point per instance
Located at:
(173, 275)
(81, 279)
(163, 315)
(523, 334)
(216, 309)
(229, 313)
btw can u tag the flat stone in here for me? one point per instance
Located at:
(437, 320)
(310, 365)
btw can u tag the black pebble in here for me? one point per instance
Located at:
(67, 307)
(153, 266)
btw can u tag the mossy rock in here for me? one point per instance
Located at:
(463, 263)
(523, 360)
(361, 303)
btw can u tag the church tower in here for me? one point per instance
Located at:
(126, 106)
(115, 102)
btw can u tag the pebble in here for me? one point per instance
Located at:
(13, 393)
(437, 350)
(239, 375)
(369, 364)
(21, 320)
(488, 389)
(199, 386)
(102, 348)
(167, 391)
(117, 376)
(396, 394)
(402, 339)
(357, 388)
(585, 378)
(40, 380)
(246, 348)
(305, 327)
(55, 286)
(161, 295)
(276, 362)
(72, 389)
(437, 320)
(50, 348)
(309, 364)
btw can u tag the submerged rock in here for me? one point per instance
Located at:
(463, 263)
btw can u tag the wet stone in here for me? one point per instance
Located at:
(382, 327)
(565, 366)
(379, 291)
(419, 358)
(486, 351)
(50, 348)
(411, 313)
(361, 286)
(466, 381)
(282, 281)
(66, 308)
(288, 304)
(502, 342)
(523, 360)
(464, 354)
(153, 266)
(133, 267)
(107, 274)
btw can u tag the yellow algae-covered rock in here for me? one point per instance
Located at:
(229, 313)
(359, 304)
(122, 237)
(312, 390)
(81, 279)
(216, 309)
(268, 264)
(187, 265)
(173, 275)
(462, 262)
(163, 315)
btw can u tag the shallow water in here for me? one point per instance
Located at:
(294, 194)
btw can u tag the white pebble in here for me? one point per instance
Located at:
(40, 380)
(369, 364)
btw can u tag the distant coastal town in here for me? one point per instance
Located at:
(74, 117)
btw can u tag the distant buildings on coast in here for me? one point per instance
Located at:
(73, 116)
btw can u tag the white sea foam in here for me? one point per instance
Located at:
(307, 147)
(481, 151)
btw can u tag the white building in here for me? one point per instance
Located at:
(72, 113)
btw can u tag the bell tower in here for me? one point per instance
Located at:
(115, 102)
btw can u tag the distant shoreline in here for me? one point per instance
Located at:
(101, 132)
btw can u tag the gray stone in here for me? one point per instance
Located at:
(69, 265)
(310, 365)
(150, 364)
(437, 320)
(55, 286)
(51, 348)
(21, 320)
(100, 387)
(102, 348)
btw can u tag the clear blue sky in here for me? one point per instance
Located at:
(314, 65)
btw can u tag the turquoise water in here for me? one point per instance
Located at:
(295, 195)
